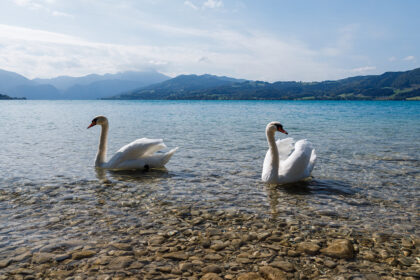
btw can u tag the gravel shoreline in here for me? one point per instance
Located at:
(184, 242)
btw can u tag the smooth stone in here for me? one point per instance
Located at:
(83, 254)
(218, 246)
(339, 248)
(211, 276)
(330, 264)
(41, 258)
(120, 262)
(62, 257)
(5, 263)
(212, 268)
(250, 276)
(180, 256)
(185, 266)
(122, 246)
(293, 253)
(271, 273)
(283, 265)
(24, 271)
(158, 240)
(309, 248)
(213, 257)
(406, 261)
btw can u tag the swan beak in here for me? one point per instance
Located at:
(283, 131)
(92, 124)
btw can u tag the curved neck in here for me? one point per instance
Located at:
(101, 155)
(274, 164)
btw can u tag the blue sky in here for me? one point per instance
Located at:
(260, 40)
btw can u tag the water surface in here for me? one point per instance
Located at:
(366, 178)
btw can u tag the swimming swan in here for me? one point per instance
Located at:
(282, 164)
(139, 154)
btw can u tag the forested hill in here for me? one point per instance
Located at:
(388, 86)
(6, 97)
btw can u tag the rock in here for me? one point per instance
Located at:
(293, 253)
(283, 265)
(406, 243)
(218, 246)
(212, 268)
(5, 263)
(62, 257)
(24, 271)
(250, 276)
(211, 276)
(309, 248)
(271, 273)
(330, 264)
(40, 258)
(158, 240)
(83, 254)
(185, 266)
(179, 256)
(122, 246)
(120, 262)
(213, 257)
(339, 248)
(406, 261)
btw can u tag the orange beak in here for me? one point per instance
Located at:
(283, 131)
(92, 124)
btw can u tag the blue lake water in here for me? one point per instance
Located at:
(367, 176)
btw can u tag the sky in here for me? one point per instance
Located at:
(269, 40)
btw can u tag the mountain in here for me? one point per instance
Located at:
(388, 86)
(180, 87)
(87, 87)
(6, 97)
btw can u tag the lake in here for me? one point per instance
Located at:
(367, 176)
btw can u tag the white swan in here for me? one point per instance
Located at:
(281, 165)
(139, 154)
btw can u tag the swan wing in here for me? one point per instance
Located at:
(296, 166)
(285, 147)
(149, 161)
(135, 150)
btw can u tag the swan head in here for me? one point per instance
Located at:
(275, 126)
(99, 120)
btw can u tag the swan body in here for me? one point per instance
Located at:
(286, 161)
(139, 154)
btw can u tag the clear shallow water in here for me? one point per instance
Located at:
(367, 176)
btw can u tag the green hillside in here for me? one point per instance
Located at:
(388, 86)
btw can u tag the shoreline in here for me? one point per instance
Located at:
(183, 242)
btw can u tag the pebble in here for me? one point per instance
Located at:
(169, 243)
(211, 276)
(339, 248)
(309, 248)
(83, 254)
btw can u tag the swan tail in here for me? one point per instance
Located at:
(167, 156)
(297, 165)
(159, 160)
(311, 164)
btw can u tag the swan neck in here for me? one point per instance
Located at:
(274, 154)
(101, 156)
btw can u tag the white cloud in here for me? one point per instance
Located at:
(251, 55)
(392, 58)
(191, 5)
(41, 5)
(409, 58)
(364, 69)
(213, 4)
(210, 4)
